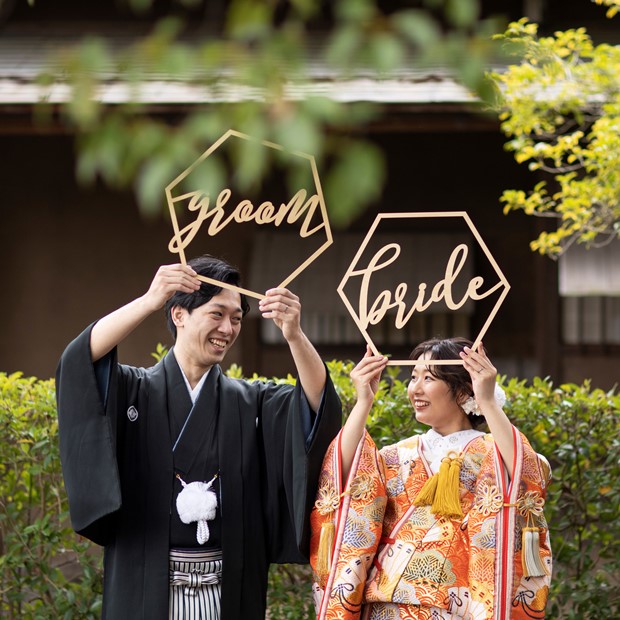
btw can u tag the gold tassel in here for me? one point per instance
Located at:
(427, 492)
(326, 543)
(447, 502)
(442, 490)
(533, 565)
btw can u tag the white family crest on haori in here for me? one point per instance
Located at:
(197, 502)
(132, 414)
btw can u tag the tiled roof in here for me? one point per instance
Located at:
(24, 55)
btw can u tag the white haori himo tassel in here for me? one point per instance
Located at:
(197, 502)
(533, 565)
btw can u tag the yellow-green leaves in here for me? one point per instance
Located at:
(613, 6)
(560, 105)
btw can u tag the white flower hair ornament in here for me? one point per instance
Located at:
(470, 406)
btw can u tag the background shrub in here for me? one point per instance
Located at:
(578, 429)
(46, 571)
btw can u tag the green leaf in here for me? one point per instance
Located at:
(153, 177)
(248, 19)
(354, 10)
(418, 27)
(343, 46)
(353, 181)
(386, 52)
(462, 13)
(299, 132)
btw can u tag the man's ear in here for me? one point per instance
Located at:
(178, 315)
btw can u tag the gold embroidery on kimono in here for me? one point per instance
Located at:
(392, 560)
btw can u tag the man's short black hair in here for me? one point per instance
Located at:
(209, 267)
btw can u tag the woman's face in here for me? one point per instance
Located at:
(433, 402)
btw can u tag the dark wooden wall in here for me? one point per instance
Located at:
(72, 254)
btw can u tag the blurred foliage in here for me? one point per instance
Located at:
(613, 6)
(253, 73)
(561, 108)
(48, 572)
(578, 429)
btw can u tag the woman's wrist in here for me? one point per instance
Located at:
(364, 404)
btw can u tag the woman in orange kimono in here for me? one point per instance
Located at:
(444, 525)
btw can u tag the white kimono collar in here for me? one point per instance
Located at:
(436, 446)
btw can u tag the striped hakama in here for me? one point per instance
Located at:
(195, 584)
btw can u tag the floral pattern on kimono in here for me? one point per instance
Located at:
(389, 559)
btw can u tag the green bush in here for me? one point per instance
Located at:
(46, 571)
(578, 429)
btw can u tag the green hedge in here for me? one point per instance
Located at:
(48, 572)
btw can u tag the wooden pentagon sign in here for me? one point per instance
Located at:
(202, 205)
(368, 273)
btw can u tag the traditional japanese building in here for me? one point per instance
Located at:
(71, 254)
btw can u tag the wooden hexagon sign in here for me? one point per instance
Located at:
(202, 204)
(375, 264)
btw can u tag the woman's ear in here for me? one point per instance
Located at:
(461, 397)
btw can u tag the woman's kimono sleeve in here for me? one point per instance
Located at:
(346, 530)
(521, 587)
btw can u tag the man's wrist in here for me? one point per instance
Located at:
(148, 304)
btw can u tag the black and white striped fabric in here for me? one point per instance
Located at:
(195, 590)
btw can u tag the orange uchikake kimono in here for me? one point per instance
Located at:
(377, 556)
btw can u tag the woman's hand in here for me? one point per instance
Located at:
(484, 379)
(366, 376)
(483, 375)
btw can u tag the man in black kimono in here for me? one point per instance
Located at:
(129, 436)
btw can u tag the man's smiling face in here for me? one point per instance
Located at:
(206, 333)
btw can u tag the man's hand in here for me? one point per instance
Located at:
(167, 281)
(115, 327)
(284, 308)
